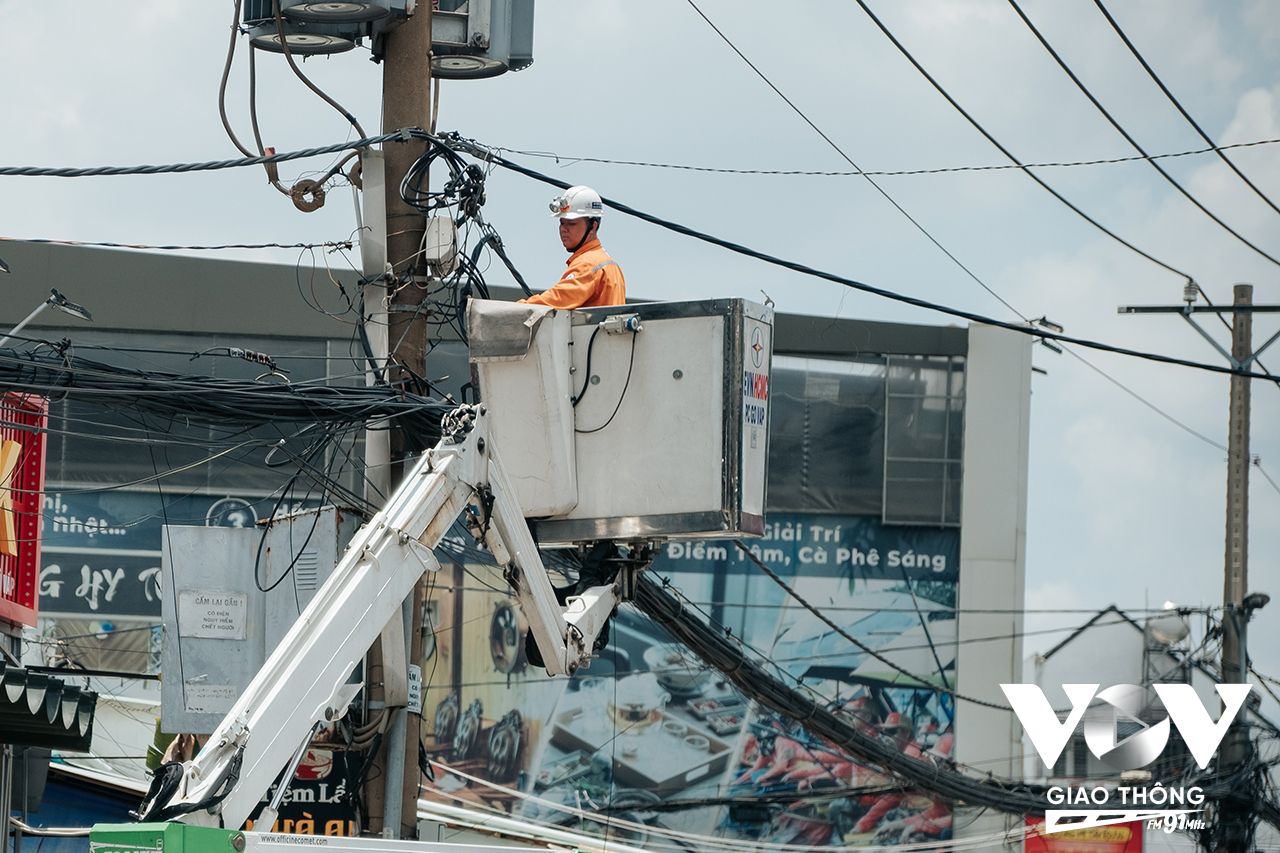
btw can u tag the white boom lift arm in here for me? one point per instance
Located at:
(304, 682)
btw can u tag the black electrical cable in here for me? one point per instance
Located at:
(266, 529)
(288, 55)
(342, 244)
(586, 382)
(1163, 88)
(630, 364)
(1133, 142)
(209, 165)
(491, 238)
(1005, 151)
(489, 156)
(849, 160)
(99, 673)
(755, 682)
(1004, 167)
(784, 797)
(922, 682)
(464, 188)
(212, 400)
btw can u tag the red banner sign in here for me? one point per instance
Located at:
(1116, 838)
(22, 422)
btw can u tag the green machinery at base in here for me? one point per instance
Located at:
(164, 838)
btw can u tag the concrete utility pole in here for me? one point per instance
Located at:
(1236, 819)
(406, 102)
(1233, 826)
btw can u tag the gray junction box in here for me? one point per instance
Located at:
(219, 627)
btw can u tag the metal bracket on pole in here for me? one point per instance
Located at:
(1188, 309)
(373, 231)
(1186, 315)
(1260, 350)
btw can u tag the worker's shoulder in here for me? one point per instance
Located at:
(590, 260)
(598, 259)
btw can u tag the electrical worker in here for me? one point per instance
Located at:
(592, 278)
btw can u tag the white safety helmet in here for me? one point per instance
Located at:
(577, 203)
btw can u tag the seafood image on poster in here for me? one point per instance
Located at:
(650, 742)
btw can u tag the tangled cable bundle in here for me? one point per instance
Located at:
(219, 401)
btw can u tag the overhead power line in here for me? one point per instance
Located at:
(1026, 169)
(849, 160)
(210, 165)
(339, 244)
(1163, 88)
(1144, 401)
(398, 136)
(1142, 155)
(1000, 167)
(489, 155)
(1129, 138)
(214, 400)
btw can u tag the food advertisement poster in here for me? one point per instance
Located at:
(649, 743)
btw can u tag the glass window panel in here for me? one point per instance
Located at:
(924, 415)
(826, 439)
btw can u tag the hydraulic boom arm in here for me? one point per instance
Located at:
(305, 681)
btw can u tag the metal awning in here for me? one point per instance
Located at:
(37, 709)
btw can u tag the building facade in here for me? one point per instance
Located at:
(896, 506)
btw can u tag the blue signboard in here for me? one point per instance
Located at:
(101, 550)
(842, 545)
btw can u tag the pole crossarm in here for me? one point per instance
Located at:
(1226, 308)
(1187, 310)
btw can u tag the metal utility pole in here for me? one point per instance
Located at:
(1235, 821)
(406, 102)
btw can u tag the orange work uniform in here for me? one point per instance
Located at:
(592, 278)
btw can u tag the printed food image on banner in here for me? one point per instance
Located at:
(650, 742)
(484, 708)
(641, 750)
(910, 624)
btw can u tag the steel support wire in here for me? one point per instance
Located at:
(488, 155)
(754, 681)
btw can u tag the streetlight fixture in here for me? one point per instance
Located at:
(57, 300)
